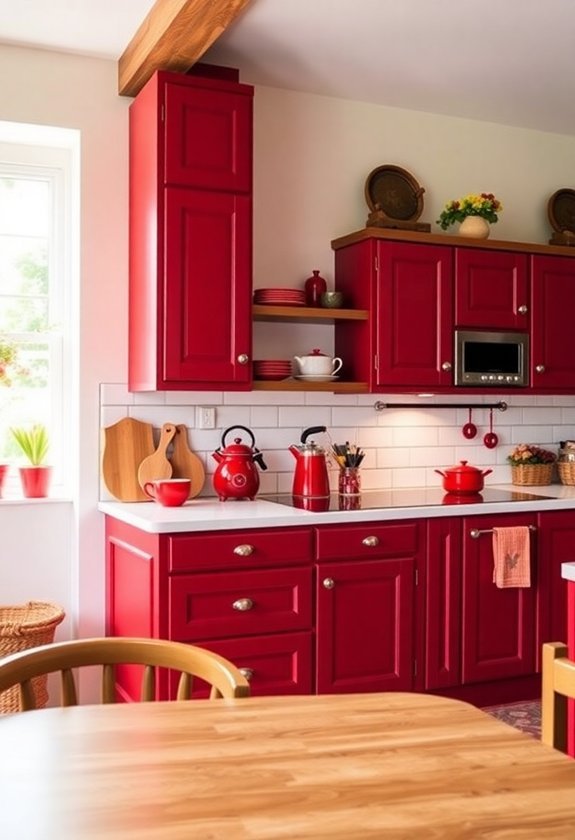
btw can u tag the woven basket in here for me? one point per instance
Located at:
(566, 470)
(22, 627)
(532, 474)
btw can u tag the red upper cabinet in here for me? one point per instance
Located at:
(209, 137)
(552, 345)
(491, 289)
(414, 315)
(190, 234)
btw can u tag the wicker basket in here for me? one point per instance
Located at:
(534, 474)
(566, 470)
(22, 627)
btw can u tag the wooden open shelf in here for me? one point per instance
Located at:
(306, 314)
(298, 385)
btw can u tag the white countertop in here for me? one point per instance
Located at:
(208, 514)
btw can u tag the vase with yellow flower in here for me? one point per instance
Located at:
(474, 212)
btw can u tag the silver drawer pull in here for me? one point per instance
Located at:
(328, 583)
(247, 673)
(370, 542)
(244, 550)
(243, 604)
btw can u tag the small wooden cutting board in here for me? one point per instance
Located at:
(157, 465)
(186, 463)
(126, 444)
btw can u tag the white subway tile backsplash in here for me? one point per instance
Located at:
(402, 446)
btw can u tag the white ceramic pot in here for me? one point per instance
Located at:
(474, 227)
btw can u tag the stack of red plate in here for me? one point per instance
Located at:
(272, 369)
(280, 297)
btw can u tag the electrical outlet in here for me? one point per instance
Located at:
(205, 417)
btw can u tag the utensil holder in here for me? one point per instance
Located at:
(349, 481)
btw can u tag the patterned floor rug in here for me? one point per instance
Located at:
(523, 716)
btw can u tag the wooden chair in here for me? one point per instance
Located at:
(558, 675)
(191, 661)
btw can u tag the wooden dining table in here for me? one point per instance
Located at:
(393, 765)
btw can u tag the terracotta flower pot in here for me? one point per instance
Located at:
(35, 481)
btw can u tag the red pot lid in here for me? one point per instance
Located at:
(463, 469)
(316, 352)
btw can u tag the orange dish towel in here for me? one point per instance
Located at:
(511, 563)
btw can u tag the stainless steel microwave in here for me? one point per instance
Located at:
(491, 358)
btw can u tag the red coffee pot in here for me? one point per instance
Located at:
(311, 477)
(236, 476)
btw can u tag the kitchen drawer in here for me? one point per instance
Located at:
(238, 549)
(240, 604)
(280, 664)
(368, 540)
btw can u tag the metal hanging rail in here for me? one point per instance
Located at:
(500, 406)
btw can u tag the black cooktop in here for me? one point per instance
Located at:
(412, 497)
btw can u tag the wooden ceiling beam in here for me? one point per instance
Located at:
(173, 36)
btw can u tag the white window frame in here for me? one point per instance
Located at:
(52, 154)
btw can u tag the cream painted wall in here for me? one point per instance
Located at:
(312, 156)
(39, 541)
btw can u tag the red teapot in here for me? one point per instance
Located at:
(236, 476)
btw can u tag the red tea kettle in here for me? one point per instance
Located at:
(236, 476)
(310, 477)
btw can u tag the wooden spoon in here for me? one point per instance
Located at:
(157, 465)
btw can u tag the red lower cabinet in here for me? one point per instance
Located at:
(365, 626)
(280, 664)
(498, 625)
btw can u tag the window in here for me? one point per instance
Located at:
(38, 235)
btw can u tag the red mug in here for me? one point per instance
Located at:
(170, 492)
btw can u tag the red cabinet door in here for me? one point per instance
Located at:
(414, 315)
(491, 289)
(556, 546)
(206, 326)
(190, 323)
(365, 615)
(552, 345)
(208, 138)
(442, 585)
(498, 624)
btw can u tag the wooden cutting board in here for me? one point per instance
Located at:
(185, 463)
(157, 465)
(126, 444)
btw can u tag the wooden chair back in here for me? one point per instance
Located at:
(21, 668)
(558, 678)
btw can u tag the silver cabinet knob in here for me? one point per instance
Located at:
(540, 368)
(247, 673)
(243, 604)
(243, 359)
(371, 542)
(446, 366)
(328, 583)
(522, 309)
(244, 550)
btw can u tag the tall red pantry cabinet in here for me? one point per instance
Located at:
(190, 234)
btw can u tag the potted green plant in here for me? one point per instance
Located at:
(34, 444)
(476, 210)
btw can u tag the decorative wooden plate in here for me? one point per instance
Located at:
(395, 192)
(561, 210)
(561, 213)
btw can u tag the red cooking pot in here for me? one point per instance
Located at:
(463, 478)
